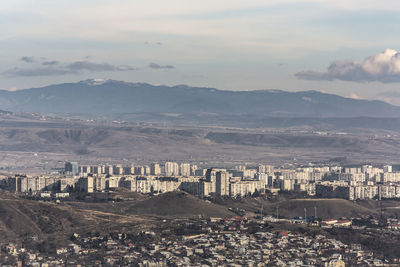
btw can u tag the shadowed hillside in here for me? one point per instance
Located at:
(34, 222)
(22, 219)
(19, 217)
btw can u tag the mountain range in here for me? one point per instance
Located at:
(97, 96)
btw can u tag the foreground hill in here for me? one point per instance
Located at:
(326, 208)
(36, 223)
(110, 97)
(172, 205)
(178, 204)
(21, 217)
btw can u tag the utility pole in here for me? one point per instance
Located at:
(305, 214)
(277, 211)
(381, 224)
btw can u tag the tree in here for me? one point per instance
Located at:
(256, 193)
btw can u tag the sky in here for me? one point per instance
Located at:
(345, 47)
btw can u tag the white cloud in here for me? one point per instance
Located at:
(383, 67)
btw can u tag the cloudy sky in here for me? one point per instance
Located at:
(342, 47)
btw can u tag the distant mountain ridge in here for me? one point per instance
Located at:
(97, 96)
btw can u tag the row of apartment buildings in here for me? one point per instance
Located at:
(168, 169)
(354, 192)
(216, 181)
(366, 182)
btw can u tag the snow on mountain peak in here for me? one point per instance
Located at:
(94, 82)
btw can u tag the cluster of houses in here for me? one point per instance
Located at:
(197, 242)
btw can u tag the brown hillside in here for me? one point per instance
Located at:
(22, 219)
(178, 204)
(326, 208)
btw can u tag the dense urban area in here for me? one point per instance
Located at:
(352, 183)
(263, 237)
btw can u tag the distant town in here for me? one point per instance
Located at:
(351, 183)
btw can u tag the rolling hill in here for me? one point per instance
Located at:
(34, 222)
(325, 208)
(47, 225)
(20, 217)
(179, 204)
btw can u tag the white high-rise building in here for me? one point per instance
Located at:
(185, 169)
(222, 183)
(387, 168)
(155, 169)
(193, 169)
(171, 169)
